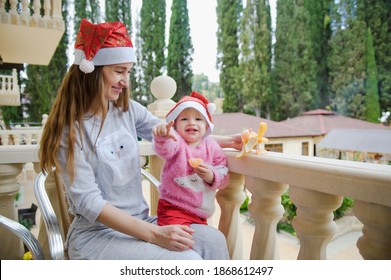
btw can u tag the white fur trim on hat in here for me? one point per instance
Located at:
(107, 56)
(191, 104)
(87, 66)
(211, 108)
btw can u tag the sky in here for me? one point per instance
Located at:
(203, 28)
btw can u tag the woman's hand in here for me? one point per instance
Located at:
(229, 141)
(174, 237)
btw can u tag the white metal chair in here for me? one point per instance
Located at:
(23, 233)
(52, 223)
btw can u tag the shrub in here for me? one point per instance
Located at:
(285, 224)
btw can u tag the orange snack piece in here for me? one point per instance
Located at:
(194, 162)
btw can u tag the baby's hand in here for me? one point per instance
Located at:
(164, 130)
(205, 173)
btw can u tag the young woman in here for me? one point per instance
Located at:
(91, 139)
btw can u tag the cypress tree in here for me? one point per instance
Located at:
(372, 93)
(88, 9)
(255, 61)
(320, 32)
(228, 17)
(347, 60)
(119, 10)
(295, 65)
(138, 92)
(43, 81)
(152, 40)
(180, 49)
(377, 15)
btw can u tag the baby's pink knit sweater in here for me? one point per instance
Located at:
(180, 185)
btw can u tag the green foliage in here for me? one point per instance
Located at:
(347, 61)
(180, 49)
(244, 206)
(320, 34)
(119, 10)
(255, 62)
(377, 17)
(285, 224)
(88, 9)
(210, 90)
(295, 64)
(27, 223)
(11, 114)
(228, 18)
(43, 81)
(346, 205)
(17, 196)
(372, 93)
(152, 41)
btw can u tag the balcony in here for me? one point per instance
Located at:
(25, 32)
(27, 36)
(316, 186)
(9, 90)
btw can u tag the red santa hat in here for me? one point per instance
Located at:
(198, 102)
(102, 44)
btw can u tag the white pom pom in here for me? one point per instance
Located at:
(211, 108)
(87, 66)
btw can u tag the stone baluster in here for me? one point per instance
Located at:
(266, 210)
(14, 86)
(11, 247)
(5, 139)
(46, 9)
(230, 199)
(2, 7)
(16, 138)
(314, 223)
(44, 119)
(36, 9)
(375, 243)
(25, 8)
(13, 7)
(56, 10)
(163, 89)
(28, 138)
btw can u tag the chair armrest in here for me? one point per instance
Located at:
(23, 233)
(56, 244)
(150, 178)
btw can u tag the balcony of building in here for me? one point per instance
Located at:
(29, 33)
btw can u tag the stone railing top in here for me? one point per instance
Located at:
(357, 180)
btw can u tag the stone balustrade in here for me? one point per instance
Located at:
(316, 186)
(30, 31)
(28, 13)
(9, 89)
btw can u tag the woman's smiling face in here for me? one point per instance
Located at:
(116, 79)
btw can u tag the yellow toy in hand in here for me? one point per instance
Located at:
(251, 140)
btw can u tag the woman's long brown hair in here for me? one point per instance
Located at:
(78, 94)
